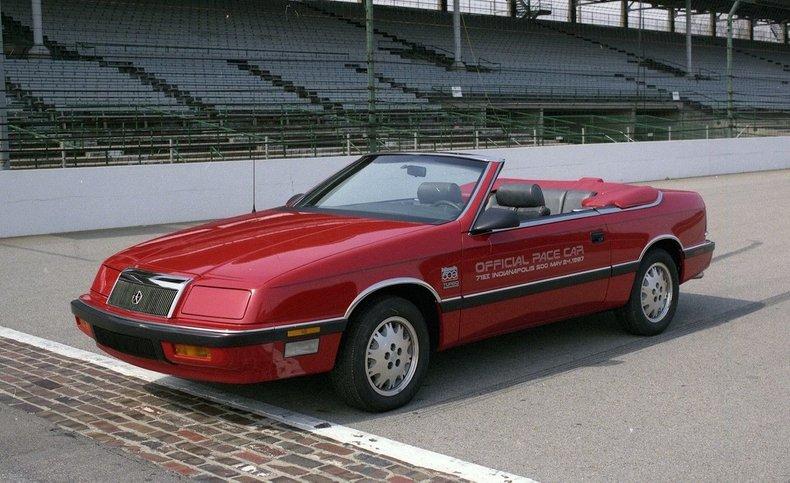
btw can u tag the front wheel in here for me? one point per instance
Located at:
(654, 296)
(384, 356)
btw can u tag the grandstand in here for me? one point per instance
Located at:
(138, 81)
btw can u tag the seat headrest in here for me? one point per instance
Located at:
(520, 196)
(429, 193)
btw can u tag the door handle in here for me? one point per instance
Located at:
(597, 237)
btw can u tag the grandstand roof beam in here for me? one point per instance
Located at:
(38, 49)
(773, 11)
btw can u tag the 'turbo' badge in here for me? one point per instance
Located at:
(450, 277)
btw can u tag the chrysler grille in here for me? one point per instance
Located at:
(145, 292)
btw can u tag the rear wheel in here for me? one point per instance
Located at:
(654, 296)
(384, 356)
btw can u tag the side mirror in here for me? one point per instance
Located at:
(495, 219)
(294, 199)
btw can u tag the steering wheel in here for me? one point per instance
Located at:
(449, 203)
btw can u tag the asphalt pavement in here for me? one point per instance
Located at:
(576, 400)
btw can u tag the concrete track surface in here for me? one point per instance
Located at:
(576, 400)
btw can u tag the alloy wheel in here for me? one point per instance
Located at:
(656, 292)
(392, 353)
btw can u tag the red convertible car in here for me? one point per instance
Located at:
(390, 259)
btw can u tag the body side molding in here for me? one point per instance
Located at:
(706, 247)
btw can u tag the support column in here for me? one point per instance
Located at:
(459, 63)
(750, 26)
(572, 6)
(5, 154)
(624, 13)
(370, 39)
(713, 24)
(730, 91)
(689, 64)
(443, 5)
(784, 33)
(512, 8)
(671, 19)
(38, 49)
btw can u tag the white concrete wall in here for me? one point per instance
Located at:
(63, 200)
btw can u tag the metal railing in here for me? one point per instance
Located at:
(89, 141)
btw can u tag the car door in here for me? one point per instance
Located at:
(544, 270)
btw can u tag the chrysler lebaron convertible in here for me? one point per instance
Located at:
(391, 259)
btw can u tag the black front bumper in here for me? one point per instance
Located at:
(179, 334)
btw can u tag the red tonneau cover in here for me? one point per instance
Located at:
(606, 194)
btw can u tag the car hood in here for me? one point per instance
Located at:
(260, 246)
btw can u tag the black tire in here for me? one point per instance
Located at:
(350, 375)
(633, 316)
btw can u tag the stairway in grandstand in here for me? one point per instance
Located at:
(758, 84)
(66, 80)
(784, 64)
(292, 52)
(286, 85)
(640, 59)
(362, 69)
(405, 48)
(633, 58)
(493, 75)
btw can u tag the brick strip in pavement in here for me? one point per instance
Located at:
(183, 433)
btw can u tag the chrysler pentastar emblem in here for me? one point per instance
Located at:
(137, 297)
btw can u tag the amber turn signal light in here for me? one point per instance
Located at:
(306, 331)
(84, 326)
(197, 352)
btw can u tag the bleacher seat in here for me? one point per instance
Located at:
(311, 57)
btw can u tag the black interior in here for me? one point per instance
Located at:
(530, 201)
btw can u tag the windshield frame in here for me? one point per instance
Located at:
(329, 184)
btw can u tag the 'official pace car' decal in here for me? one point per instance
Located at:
(521, 264)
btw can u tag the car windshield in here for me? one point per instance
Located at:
(410, 187)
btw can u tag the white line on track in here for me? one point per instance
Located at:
(400, 451)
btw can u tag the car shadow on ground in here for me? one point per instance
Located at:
(484, 368)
